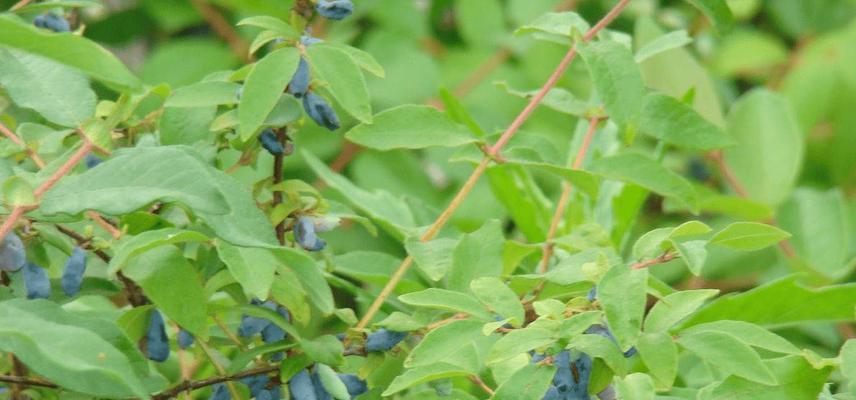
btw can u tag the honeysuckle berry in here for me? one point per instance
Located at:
(52, 22)
(592, 294)
(36, 281)
(335, 9)
(184, 339)
(220, 392)
(299, 84)
(72, 274)
(308, 40)
(270, 142)
(92, 160)
(300, 386)
(256, 383)
(157, 344)
(320, 111)
(13, 256)
(304, 235)
(552, 394)
(354, 384)
(383, 340)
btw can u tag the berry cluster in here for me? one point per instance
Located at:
(52, 22)
(13, 258)
(315, 106)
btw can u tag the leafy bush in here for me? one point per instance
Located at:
(243, 199)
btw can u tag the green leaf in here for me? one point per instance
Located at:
(263, 88)
(519, 341)
(600, 347)
(669, 41)
(748, 236)
(133, 246)
(416, 376)
(272, 24)
(848, 362)
(410, 127)
(693, 253)
(252, 267)
(362, 58)
(616, 78)
(556, 26)
(332, 383)
(481, 23)
(310, 275)
(69, 49)
(529, 383)
(622, 295)
(499, 298)
(17, 192)
(478, 254)
(717, 11)
(185, 125)
(173, 285)
(796, 380)
(660, 354)
(345, 79)
(675, 307)
(26, 78)
(729, 354)
(134, 178)
(45, 338)
(442, 299)
(649, 174)
(325, 349)
(287, 290)
(557, 99)
(748, 333)
(769, 151)
(672, 121)
(446, 344)
(208, 93)
(434, 257)
(636, 387)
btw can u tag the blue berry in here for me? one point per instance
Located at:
(308, 40)
(72, 275)
(270, 142)
(552, 394)
(301, 388)
(335, 10)
(383, 340)
(12, 253)
(299, 84)
(221, 392)
(592, 294)
(256, 384)
(36, 281)
(185, 339)
(92, 160)
(698, 170)
(273, 333)
(274, 393)
(53, 22)
(320, 111)
(157, 345)
(355, 385)
(304, 235)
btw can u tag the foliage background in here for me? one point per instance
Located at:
(782, 61)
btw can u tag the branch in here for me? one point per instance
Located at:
(482, 166)
(661, 259)
(23, 380)
(223, 29)
(193, 385)
(15, 139)
(277, 178)
(480, 383)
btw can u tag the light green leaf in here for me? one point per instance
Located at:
(649, 174)
(132, 246)
(556, 26)
(528, 383)
(769, 151)
(61, 347)
(603, 348)
(499, 298)
(207, 93)
(848, 362)
(69, 49)
(796, 380)
(692, 252)
(17, 192)
(324, 349)
(446, 344)
(750, 334)
(362, 58)
(345, 79)
(748, 236)
(478, 254)
(729, 354)
(252, 267)
(272, 24)
(660, 354)
(134, 178)
(434, 257)
(442, 299)
(310, 275)
(717, 11)
(26, 78)
(416, 376)
(669, 41)
(622, 295)
(519, 341)
(675, 307)
(263, 88)
(636, 386)
(331, 382)
(674, 122)
(410, 127)
(616, 78)
(173, 285)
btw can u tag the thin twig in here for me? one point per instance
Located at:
(482, 166)
(234, 339)
(566, 194)
(23, 380)
(232, 389)
(104, 224)
(224, 29)
(661, 259)
(15, 139)
(480, 383)
(282, 138)
(185, 386)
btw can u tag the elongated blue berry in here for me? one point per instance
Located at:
(157, 344)
(270, 142)
(321, 392)
(36, 281)
(273, 333)
(335, 10)
(304, 235)
(92, 160)
(592, 294)
(221, 392)
(53, 22)
(320, 111)
(299, 84)
(256, 384)
(552, 394)
(383, 340)
(72, 274)
(184, 339)
(301, 388)
(12, 253)
(274, 393)
(308, 40)
(354, 384)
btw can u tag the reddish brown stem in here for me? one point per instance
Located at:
(661, 259)
(15, 139)
(224, 29)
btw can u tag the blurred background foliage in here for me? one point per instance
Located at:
(804, 50)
